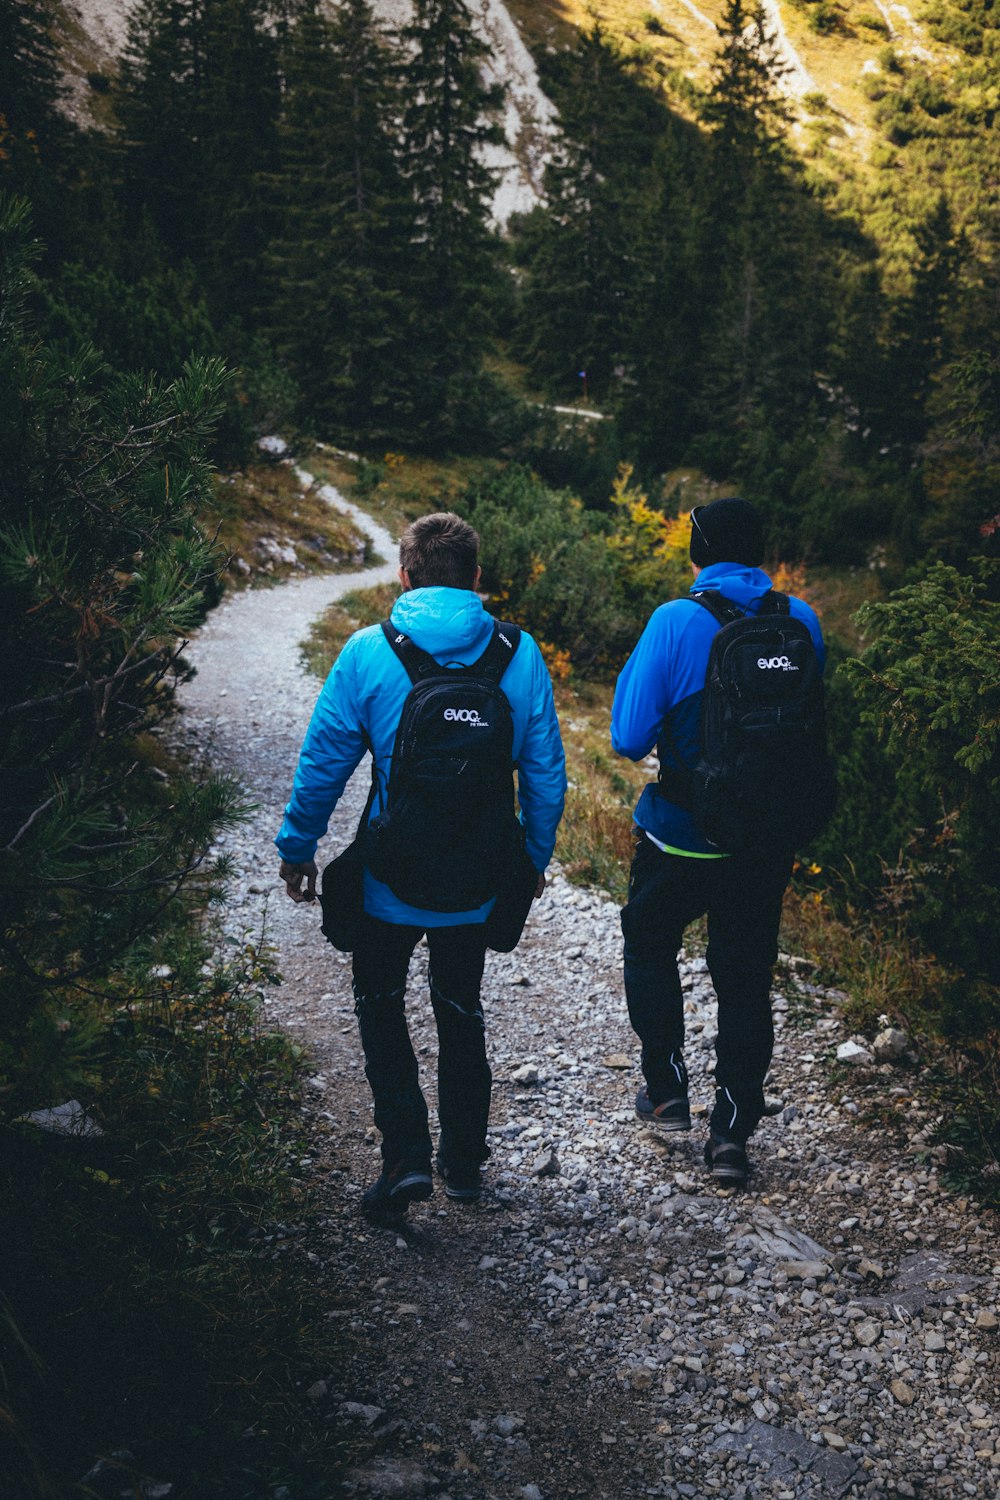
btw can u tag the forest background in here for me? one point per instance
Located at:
(278, 218)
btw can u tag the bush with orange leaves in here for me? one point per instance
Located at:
(557, 660)
(582, 581)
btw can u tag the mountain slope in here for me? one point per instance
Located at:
(899, 103)
(830, 51)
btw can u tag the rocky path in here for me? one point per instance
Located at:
(606, 1322)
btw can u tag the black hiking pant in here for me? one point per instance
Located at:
(381, 962)
(741, 897)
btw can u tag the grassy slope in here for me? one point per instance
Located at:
(841, 128)
(675, 43)
(266, 503)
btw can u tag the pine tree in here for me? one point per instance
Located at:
(198, 97)
(744, 107)
(35, 136)
(448, 125)
(761, 257)
(917, 335)
(747, 119)
(579, 252)
(104, 570)
(664, 341)
(343, 221)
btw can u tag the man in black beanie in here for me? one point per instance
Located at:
(678, 874)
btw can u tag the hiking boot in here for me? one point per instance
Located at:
(670, 1116)
(463, 1184)
(727, 1161)
(396, 1189)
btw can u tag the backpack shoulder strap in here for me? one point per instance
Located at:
(774, 602)
(418, 663)
(498, 654)
(723, 610)
(492, 664)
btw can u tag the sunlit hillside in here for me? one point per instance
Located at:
(830, 52)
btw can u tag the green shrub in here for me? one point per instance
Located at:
(825, 17)
(868, 20)
(546, 565)
(929, 686)
(104, 571)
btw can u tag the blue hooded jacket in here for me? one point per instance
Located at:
(658, 694)
(364, 695)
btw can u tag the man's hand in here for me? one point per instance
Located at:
(293, 875)
(539, 888)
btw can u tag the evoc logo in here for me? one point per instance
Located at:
(466, 716)
(775, 663)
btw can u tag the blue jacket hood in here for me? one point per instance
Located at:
(739, 583)
(440, 620)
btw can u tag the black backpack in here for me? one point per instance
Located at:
(447, 836)
(764, 779)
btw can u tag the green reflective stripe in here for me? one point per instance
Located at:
(684, 853)
(689, 853)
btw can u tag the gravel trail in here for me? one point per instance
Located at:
(607, 1322)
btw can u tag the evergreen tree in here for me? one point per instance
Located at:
(448, 125)
(124, 294)
(35, 135)
(344, 220)
(579, 251)
(917, 336)
(744, 107)
(747, 118)
(761, 257)
(766, 331)
(665, 333)
(198, 98)
(104, 569)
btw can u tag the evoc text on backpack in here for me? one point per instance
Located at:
(447, 836)
(764, 778)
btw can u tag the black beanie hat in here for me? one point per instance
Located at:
(727, 531)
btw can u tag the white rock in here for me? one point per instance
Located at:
(854, 1054)
(890, 1044)
(66, 1119)
(507, 1425)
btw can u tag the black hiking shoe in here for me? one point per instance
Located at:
(727, 1161)
(396, 1189)
(463, 1184)
(670, 1116)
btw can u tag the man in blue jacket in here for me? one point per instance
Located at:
(677, 875)
(360, 706)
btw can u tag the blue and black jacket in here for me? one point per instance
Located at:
(659, 692)
(360, 704)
